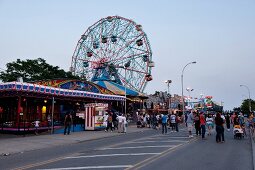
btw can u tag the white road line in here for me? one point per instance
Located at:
(155, 141)
(91, 167)
(136, 147)
(169, 137)
(109, 155)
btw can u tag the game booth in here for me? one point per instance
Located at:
(94, 116)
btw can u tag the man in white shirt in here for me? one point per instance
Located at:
(120, 123)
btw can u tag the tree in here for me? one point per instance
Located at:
(33, 70)
(245, 106)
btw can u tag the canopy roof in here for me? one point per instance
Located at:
(40, 89)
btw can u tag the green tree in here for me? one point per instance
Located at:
(33, 70)
(245, 106)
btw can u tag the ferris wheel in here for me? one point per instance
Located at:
(114, 49)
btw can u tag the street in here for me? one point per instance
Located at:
(147, 149)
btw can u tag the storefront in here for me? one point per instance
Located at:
(23, 103)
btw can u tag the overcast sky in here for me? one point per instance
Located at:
(219, 35)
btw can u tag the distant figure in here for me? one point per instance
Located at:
(68, 123)
(202, 124)
(173, 121)
(37, 124)
(115, 121)
(219, 128)
(228, 122)
(164, 123)
(190, 121)
(120, 123)
(124, 124)
(109, 122)
(209, 123)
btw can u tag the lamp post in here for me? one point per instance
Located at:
(168, 91)
(126, 65)
(194, 62)
(189, 90)
(249, 95)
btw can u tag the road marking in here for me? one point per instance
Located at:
(91, 167)
(109, 155)
(169, 137)
(136, 147)
(163, 141)
(29, 166)
(156, 157)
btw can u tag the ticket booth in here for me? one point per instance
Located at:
(94, 116)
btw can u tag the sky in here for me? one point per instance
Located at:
(219, 35)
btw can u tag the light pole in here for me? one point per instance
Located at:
(126, 65)
(194, 62)
(189, 90)
(169, 98)
(249, 95)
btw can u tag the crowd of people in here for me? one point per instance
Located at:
(198, 123)
(167, 121)
(114, 121)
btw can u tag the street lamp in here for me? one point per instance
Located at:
(194, 62)
(189, 90)
(126, 65)
(168, 92)
(249, 95)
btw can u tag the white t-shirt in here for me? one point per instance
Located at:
(120, 119)
(173, 119)
(124, 119)
(209, 120)
(37, 122)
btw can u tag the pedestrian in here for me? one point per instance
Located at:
(219, 128)
(202, 124)
(125, 124)
(68, 122)
(197, 124)
(228, 122)
(37, 124)
(190, 122)
(120, 123)
(173, 121)
(164, 123)
(115, 121)
(177, 121)
(209, 124)
(109, 122)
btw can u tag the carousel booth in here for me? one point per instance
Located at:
(94, 116)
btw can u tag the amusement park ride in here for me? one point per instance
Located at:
(114, 49)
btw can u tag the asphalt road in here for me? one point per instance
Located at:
(140, 150)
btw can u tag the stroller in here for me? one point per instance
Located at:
(238, 132)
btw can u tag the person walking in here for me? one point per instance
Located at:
(177, 121)
(219, 128)
(228, 122)
(68, 123)
(173, 121)
(209, 124)
(197, 124)
(202, 124)
(190, 122)
(109, 122)
(37, 124)
(115, 121)
(120, 123)
(124, 124)
(164, 124)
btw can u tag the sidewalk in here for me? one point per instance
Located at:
(19, 144)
